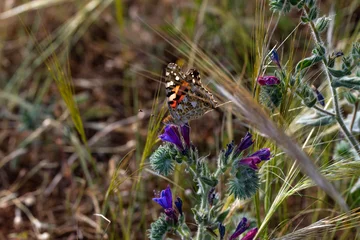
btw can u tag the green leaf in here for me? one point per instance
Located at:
(304, 19)
(313, 13)
(307, 62)
(222, 216)
(209, 181)
(158, 228)
(339, 73)
(319, 50)
(347, 82)
(161, 161)
(316, 120)
(350, 97)
(310, 3)
(244, 184)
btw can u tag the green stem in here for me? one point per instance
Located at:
(324, 111)
(183, 232)
(200, 231)
(334, 94)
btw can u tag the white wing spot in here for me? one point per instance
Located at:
(193, 80)
(177, 78)
(193, 104)
(169, 84)
(172, 97)
(167, 73)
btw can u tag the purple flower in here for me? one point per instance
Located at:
(250, 234)
(185, 132)
(245, 143)
(165, 201)
(165, 198)
(211, 196)
(275, 58)
(242, 226)
(268, 80)
(221, 228)
(171, 134)
(263, 154)
(250, 162)
(229, 149)
(178, 204)
(320, 97)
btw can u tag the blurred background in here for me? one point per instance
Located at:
(112, 53)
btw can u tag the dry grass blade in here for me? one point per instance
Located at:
(29, 6)
(325, 226)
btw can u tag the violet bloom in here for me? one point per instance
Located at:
(165, 201)
(185, 132)
(242, 226)
(275, 58)
(250, 162)
(171, 134)
(263, 154)
(268, 80)
(320, 97)
(245, 143)
(255, 158)
(221, 228)
(165, 198)
(250, 234)
(178, 204)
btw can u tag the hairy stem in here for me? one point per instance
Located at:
(203, 204)
(334, 94)
(324, 111)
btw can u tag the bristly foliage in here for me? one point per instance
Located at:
(158, 228)
(244, 184)
(162, 160)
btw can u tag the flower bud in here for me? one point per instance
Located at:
(350, 97)
(322, 23)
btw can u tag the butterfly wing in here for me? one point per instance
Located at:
(187, 98)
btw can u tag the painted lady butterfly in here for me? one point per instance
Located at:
(187, 98)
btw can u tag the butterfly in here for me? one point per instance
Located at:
(187, 98)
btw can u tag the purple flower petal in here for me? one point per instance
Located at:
(171, 134)
(268, 80)
(320, 98)
(263, 154)
(251, 162)
(242, 226)
(245, 143)
(178, 204)
(250, 234)
(275, 58)
(185, 132)
(165, 199)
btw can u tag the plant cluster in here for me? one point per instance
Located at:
(208, 212)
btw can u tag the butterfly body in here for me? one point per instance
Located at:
(187, 98)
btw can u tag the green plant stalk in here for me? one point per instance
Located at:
(203, 204)
(339, 119)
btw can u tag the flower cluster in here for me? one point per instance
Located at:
(241, 228)
(245, 181)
